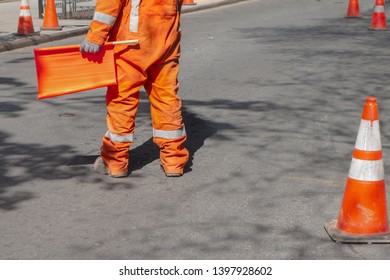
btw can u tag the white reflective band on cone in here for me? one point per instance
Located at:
(120, 138)
(134, 15)
(379, 9)
(368, 138)
(104, 18)
(366, 170)
(25, 13)
(169, 134)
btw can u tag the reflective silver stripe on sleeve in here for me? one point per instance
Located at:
(120, 138)
(134, 15)
(104, 18)
(169, 134)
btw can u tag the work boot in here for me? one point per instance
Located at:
(101, 167)
(171, 173)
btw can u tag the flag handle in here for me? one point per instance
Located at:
(127, 42)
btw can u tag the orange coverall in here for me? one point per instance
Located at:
(154, 64)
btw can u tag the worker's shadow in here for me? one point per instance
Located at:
(197, 129)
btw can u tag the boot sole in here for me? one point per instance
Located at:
(170, 174)
(101, 168)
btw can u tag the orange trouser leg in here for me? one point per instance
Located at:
(122, 103)
(115, 155)
(173, 155)
(169, 133)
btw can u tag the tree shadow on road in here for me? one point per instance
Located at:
(22, 163)
(26, 162)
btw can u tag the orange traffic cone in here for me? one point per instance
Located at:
(25, 25)
(50, 20)
(378, 17)
(189, 2)
(363, 214)
(353, 9)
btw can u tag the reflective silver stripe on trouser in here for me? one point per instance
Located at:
(120, 138)
(169, 134)
(134, 15)
(104, 18)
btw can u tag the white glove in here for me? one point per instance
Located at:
(89, 47)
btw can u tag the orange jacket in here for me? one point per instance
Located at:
(119, 20)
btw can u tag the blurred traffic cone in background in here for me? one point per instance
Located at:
(189, 2)
(353, 9)
(378, 17)
(25, 25)
(363, 214)
(50, 20)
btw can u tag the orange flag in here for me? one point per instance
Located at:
(64, 70)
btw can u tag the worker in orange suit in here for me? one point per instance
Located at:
(154, 64)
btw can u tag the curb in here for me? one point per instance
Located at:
(40, 39)
(45, 38)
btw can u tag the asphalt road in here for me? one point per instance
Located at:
(273, 93)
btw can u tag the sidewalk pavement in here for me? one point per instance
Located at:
(9, 18)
